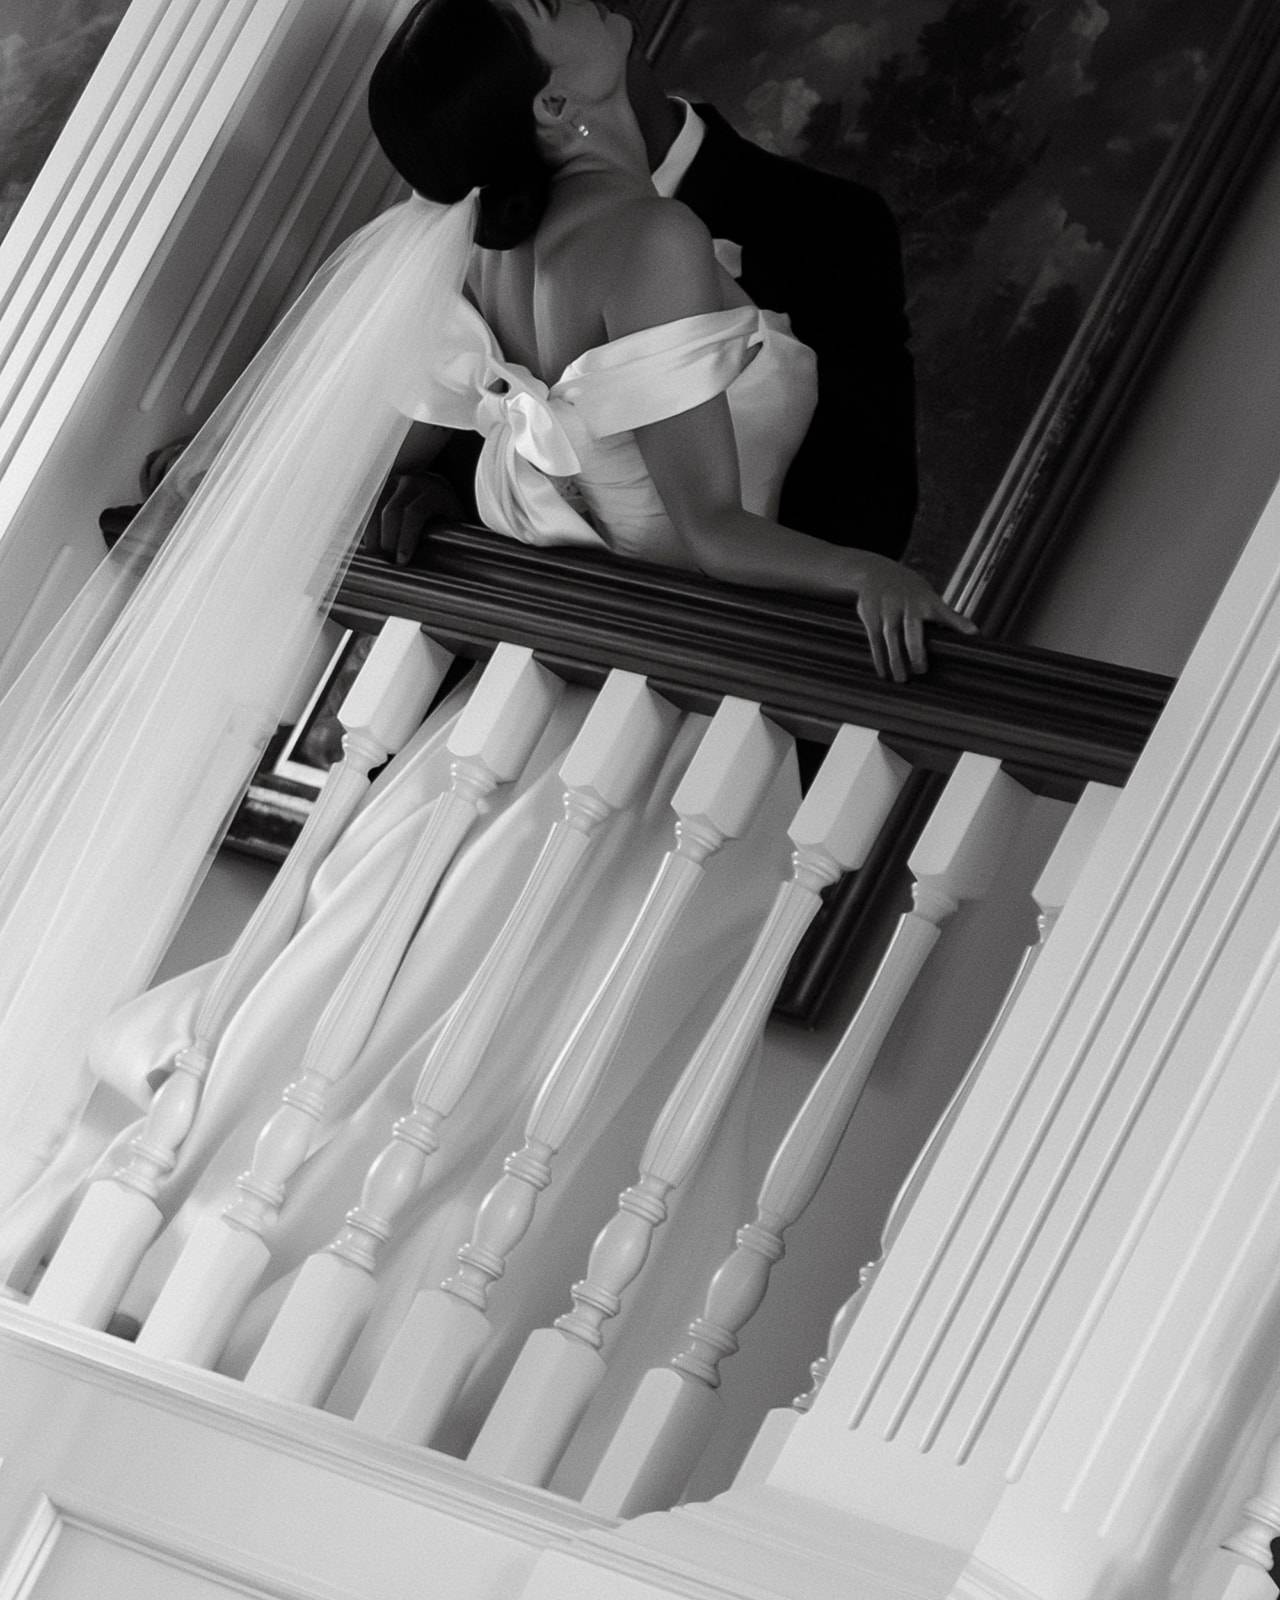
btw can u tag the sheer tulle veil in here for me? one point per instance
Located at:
(127, 740)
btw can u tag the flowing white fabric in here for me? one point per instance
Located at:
(262, 1049)
(769, 382)
(127, 741)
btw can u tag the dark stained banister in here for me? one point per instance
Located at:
(1056, 721)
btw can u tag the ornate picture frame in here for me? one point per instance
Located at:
(991, 562)
(292, 772)
(1101, 146)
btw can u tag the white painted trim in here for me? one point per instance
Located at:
(413, 1472)
(168, 1544)
(218, 152)
(980, 1582)
(763, 1545)
(31, 1553)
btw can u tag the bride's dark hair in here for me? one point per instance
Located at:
(451, 103)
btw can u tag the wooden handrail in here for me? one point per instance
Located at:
(1056, 721)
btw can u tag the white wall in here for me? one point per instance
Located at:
(221, 907)
(1187, 480)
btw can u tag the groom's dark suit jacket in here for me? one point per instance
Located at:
(826, 252)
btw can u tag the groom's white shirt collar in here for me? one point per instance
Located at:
(671, 169)
(670, 175)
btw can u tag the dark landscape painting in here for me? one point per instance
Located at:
(48, 49)
(1015, 141)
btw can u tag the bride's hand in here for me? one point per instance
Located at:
(410, 503)
(894, 604)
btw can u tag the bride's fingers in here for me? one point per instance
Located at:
(869, 617)
(913, 632)
(413, 524)
(893, 638)
(398, 534)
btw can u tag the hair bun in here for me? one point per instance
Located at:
(510, 210)
(451, 104)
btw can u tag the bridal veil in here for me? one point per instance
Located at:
(127, 740)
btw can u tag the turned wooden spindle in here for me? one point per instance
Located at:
(217, 1272)
(447, 1327)
(1049, 893)
(1242, 1567)
(121, 1214)
(665, 1427)
(611, 760)
(560, 1368)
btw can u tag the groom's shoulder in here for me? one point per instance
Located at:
(802, 195)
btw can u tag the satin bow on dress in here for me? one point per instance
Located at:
(527, 446)
(560, 463)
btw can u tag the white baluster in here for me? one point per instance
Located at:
(622, 737)
(447, 1328)
(1050, 894)
(1242, 1570)
(121, 1214)
(560, 1368)
(665, 1427)
(226, 1254)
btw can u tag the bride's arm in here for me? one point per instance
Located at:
(693, 460)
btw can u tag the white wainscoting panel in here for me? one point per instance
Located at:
(127, 1478)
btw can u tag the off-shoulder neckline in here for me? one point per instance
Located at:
(664, 336)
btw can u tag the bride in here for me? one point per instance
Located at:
(629, 395)
(527, 101)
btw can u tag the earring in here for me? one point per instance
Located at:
(582, 129)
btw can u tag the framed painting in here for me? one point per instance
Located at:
(293, 769)
(48, 52)
(1057, 169)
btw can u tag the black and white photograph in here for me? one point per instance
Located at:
(639, 731)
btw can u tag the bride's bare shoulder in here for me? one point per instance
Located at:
(654, 262)
(649, 229)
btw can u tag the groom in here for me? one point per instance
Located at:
(826, 252)
(819, 248)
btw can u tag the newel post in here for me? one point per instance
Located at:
(1057, 1361)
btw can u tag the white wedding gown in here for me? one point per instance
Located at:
(770, 381)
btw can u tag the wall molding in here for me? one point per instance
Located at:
(85, 1357)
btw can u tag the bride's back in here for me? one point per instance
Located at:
(600, 264)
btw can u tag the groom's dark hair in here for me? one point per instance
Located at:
(451, 103)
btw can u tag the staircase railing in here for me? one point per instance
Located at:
(922, 783)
